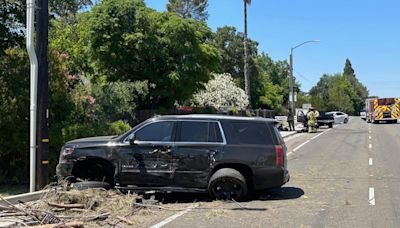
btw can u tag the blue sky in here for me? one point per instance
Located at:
(365, 31)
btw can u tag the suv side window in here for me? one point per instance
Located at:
(252, 133)
(156, 132)
(199, 131)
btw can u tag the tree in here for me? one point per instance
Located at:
(12, 18)
(196, 9)
(131, 42)
(361, 92)
(222, 94)
(340, 94)
(68, 9)
(267, 93)
(230, 45)
(246, 67)
(333, 92)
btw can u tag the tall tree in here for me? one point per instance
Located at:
(196, 9)
(230, 45)
(361, 92)
(348, 69)
(246, 67)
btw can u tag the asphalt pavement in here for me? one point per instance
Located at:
(347, 176)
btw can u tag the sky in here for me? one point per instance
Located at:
(365, 31)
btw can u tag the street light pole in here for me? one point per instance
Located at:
(291, 80)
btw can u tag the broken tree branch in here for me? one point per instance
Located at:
(69, 206)
(127, 221)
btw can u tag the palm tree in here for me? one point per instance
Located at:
(246, 63)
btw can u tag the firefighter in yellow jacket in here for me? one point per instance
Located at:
(312, 116)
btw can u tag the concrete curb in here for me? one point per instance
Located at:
(26, 197)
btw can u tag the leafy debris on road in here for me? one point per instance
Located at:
(89, 208)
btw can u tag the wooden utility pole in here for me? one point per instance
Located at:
(42, 161)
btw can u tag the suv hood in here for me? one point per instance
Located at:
(92, 140)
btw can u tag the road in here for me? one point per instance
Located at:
(347, 176)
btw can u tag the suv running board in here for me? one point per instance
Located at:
(162, 189)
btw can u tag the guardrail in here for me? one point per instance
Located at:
(25, 197)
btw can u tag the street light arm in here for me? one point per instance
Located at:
(310, 41)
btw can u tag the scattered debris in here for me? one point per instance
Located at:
(64, 207)
(73, 208)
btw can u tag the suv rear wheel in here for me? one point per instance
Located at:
(228, 184)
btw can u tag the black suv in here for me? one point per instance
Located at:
(226, 156)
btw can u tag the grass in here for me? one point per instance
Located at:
(9, 190)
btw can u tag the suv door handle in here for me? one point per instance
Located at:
(154, 151)
(167, 151)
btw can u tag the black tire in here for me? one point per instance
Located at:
(330, 125)
(228, 184)
(346, 121)
(90, 184)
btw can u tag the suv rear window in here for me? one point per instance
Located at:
(257, 133)
(199, 131)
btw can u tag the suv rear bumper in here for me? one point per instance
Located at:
(270, 178)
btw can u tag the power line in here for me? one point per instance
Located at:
(299, 74)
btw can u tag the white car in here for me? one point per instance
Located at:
(363, 115)
(339, 117)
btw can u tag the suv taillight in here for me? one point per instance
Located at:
(279, 155)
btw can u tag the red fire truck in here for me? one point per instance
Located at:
(382, 109)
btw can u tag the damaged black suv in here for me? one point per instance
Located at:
(226, 156)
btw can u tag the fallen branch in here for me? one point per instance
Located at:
(87, 218)
(5, 208)
(127, 221)
(68, 206)
(74, 224)
(153, 206)
(12, 214)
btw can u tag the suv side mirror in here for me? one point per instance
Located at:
(133, 140)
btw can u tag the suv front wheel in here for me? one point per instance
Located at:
(227, 184)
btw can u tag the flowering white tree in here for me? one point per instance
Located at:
(221, 93)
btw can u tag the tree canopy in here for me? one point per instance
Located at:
(196, 9)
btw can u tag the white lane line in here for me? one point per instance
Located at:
(173, 217)
(371, 198)
(370, 162)
(320, 134)
(290, 153)
(370, 137)
(370, 145)
(301, 145)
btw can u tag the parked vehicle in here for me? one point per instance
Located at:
(339, 117)
(363, 115)
(222, 155)
(382, 109)
(324, 119)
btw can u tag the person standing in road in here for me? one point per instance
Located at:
(290, 119)
(312, 116)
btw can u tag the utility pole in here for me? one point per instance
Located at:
(291, 83)
(246, 61)
(42, 161)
